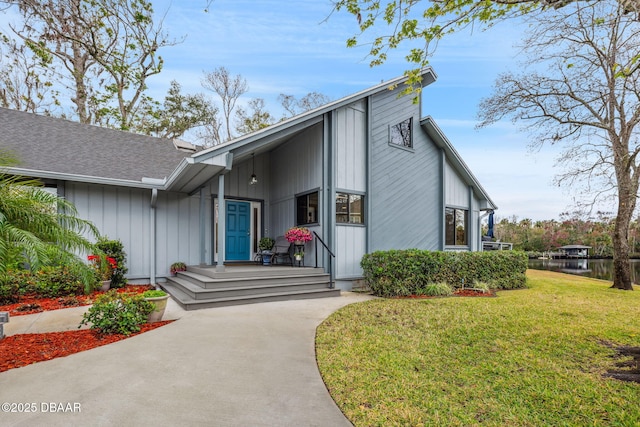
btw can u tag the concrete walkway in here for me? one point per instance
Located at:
(251, 365)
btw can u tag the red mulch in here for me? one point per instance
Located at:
(456, 293)
(30, 304)
(25, 349)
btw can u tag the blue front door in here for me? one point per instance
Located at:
(238, 231)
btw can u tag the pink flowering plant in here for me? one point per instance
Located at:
(298, 234)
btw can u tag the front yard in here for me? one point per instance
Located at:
(529, 357)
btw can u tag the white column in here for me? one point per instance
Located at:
(222, 224)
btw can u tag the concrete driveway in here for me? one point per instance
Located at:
(251, 365)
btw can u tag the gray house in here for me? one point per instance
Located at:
(365, 173)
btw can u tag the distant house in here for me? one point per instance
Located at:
(365, 173)
(574, 251)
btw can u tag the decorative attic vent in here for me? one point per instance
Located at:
(184, 146)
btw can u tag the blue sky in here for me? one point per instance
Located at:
(292, 48)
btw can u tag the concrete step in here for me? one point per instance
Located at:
(221, 289)
(189, 303)
(207, 282)
(252, 271)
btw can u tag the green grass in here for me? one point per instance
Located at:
(531, 357)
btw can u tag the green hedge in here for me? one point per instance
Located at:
(408, 272)
(47, 282)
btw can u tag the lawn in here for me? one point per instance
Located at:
(531, 357)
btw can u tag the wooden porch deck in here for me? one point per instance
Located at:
(204, 287)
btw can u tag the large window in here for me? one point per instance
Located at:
(456, 221)
(349, 208)
(400, 134)
(307, 208)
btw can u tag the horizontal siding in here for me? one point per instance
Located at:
(405, 184)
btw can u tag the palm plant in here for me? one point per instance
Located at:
(38, 228)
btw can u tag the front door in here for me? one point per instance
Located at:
(238, 231)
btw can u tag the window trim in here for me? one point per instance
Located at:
(402, 146)
(362, 204)
(466, 227)
(303, 194)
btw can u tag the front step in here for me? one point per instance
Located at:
(200, 287)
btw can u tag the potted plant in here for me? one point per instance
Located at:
(178, 266)
(265, 245)
(298, 235)
(103, 267)
(298, 255)
(159, 299)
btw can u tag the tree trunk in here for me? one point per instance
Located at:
(621, 268)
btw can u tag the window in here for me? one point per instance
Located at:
(456, 227)
(307, 209)
(400, 134)
(349, 208)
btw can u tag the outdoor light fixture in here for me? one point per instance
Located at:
(254, 178)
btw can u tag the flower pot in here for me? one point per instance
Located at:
(160, 304)
(106, 284)
(266, 257)
(298, 257)
(299, 242)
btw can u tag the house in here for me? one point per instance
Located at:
(365, 173)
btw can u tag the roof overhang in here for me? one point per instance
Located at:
(439, 138)
(151, 183)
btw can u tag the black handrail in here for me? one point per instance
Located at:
(331, 279)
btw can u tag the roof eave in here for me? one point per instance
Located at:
(59, 176)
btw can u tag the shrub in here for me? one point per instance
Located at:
(481, 286)
(440, 289)
(395, 272)
(154, 293)
(9, 289)
(58, 282)
(115, 250)
(117, 313)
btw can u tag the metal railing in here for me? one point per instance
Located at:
(331, 255)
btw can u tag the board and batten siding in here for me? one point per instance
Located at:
(296, 167)
(124, 213)
(350, 148)
(405, 189)
(456, 190)
(458, 194)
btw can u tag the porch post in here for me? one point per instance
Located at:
(222, 224)
(203, 242)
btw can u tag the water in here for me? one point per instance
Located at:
(596, 268)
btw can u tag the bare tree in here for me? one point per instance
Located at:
(108, 48)
(24, 86)
(293, 106)
(579, 97)
(229, 88)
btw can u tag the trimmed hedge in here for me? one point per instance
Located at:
(408, 272)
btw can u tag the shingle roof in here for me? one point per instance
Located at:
(56, 145)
